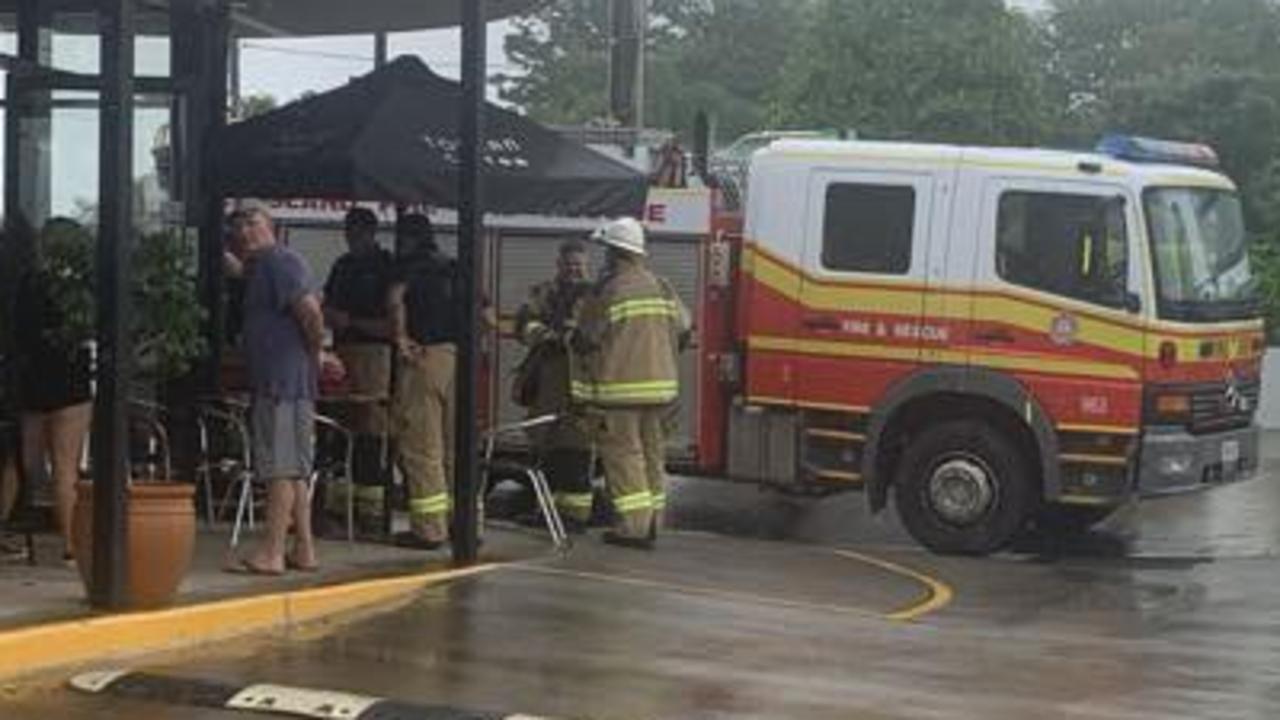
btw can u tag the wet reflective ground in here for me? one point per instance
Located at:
(1171, 611)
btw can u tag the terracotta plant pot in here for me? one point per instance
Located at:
(162, 536)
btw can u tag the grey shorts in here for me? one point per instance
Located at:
(283, 438)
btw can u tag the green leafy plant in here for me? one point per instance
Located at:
(167, 312)
(1265, 257)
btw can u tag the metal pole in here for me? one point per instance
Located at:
(379, 49)
(642, 40)
(210, 98)
(233, 62)
(115, 345)
(470, 232)
(27, 132)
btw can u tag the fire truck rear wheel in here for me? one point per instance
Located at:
(963, 488)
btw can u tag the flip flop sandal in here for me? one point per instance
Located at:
(245, 567)
(291, 564)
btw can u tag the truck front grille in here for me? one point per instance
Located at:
(1216, 407)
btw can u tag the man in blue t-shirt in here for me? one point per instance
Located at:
(283, 338)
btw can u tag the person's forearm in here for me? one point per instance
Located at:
(310, 318)
(313, 332)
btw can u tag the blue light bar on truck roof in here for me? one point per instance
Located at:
(1149, 150)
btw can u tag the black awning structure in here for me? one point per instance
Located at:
(392, 135)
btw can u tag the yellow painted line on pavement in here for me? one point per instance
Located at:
(41, 647)
(937, 594)
(651, 584)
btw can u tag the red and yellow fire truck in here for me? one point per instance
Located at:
(991, 337)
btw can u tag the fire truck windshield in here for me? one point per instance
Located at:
(1201, 255)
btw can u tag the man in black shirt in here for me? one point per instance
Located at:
(355, 308)
(424, 320)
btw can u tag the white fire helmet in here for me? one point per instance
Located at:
(626, 234)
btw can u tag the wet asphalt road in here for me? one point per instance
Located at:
(1170, 611)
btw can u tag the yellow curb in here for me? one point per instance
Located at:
(43, 647)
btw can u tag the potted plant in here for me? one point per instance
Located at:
(167, 339)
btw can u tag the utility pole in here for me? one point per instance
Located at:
(628, 30)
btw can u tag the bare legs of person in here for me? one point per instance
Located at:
(10, 547)
(304, 542)
(288, 507)
(58, 437)
(8, 487)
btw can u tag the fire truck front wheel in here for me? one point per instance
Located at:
(963, 488)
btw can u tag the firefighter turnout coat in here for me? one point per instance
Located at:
(543, 323)
(630, 335)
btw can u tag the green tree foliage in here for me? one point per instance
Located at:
(948, 70)
(253, 105)
(563, 50)
(1203, 70)
(722, 56)
(727, 60)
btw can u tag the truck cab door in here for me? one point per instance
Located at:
(862, 291)
(1063, 273)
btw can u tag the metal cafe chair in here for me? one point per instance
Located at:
(335, 457)
(223, 437)
(328, 466)
(150, 417)
(537, 478)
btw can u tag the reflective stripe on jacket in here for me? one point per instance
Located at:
(629, 336)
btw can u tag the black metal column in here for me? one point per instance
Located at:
(28, 125)
(209, 117)
(470, 234)
(115, 313)
(186, 33)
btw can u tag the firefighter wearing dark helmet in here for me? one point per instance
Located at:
(632, 328)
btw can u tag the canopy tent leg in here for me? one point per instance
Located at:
(470, 231)
(114, 374)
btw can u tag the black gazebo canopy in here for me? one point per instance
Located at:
(392, 135)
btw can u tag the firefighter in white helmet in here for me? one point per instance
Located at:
(631, 331)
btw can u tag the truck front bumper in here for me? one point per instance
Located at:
(1174, 461)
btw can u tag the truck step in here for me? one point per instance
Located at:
(1090, 459)
(828, 475)
(835, 435)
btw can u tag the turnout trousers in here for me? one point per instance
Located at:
(424, 411)
(631, 446)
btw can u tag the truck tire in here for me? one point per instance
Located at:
(964, 488)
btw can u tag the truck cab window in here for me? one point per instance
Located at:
(1075, 246)
(868, 228)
